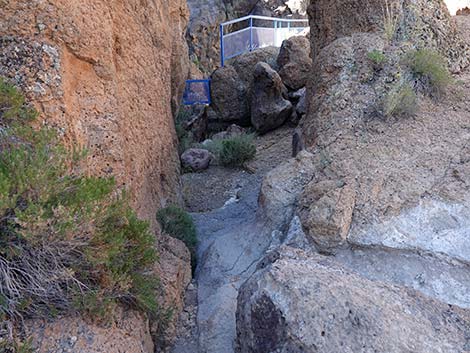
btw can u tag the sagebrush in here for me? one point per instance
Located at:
(401, 101)
(234, 151)
(68, 242)
(429, 65)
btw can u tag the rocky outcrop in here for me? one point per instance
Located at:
(107, 76)
(366, 158)
(294, 62)
(464, 11)
(425, 24)
(128, 333)
(307, 303)
(269, 109)
(388, 199)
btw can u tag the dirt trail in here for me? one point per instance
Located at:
(232, 240)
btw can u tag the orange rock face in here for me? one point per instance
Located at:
(108, 74)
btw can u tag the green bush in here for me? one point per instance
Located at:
(178, 223)
(430, 65)
(377, 57)
(67, 241)
(234, 151)
(401, 101)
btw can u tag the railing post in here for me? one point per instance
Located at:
(222, 54)
(275, 33)
(251, 33)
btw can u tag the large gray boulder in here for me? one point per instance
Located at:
(294, 62)
(269, 109)
(245, 64)
(196, 159)
(305, 302)
(229, 97)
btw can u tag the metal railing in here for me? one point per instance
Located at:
(197, 92)
(259, 32)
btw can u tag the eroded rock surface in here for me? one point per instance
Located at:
(281, 188)
(406, 180)
(424, 23)
(129, 333)
(388, 201)
(107, 75)
(304, 302)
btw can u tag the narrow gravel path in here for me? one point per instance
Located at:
(232, 240)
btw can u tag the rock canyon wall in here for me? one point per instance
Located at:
(107, 74)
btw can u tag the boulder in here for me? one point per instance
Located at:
(245, 64)
(281, 188)
(305, 302)
(196, 159)
(294, 62)
(269, 109)
(326, 210)
(229, 97)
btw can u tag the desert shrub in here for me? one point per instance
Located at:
(401, 100)
(377, 57)
(179, 224)
(234, 151)
(430, 65)
(68, 241)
